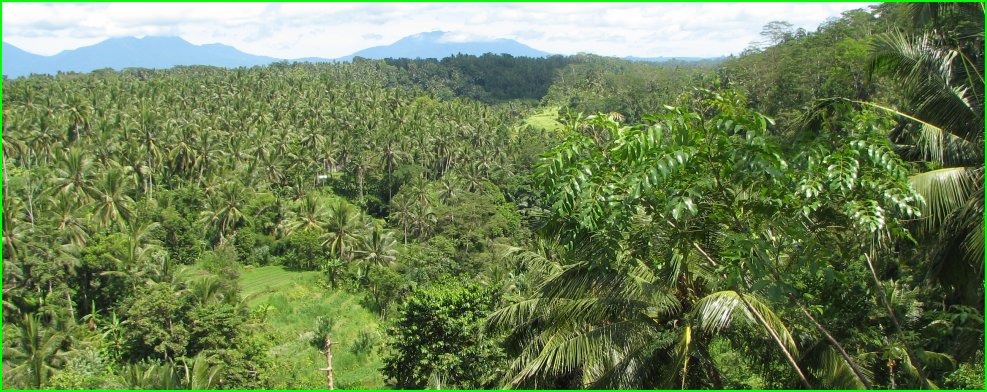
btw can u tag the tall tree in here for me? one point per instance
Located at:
(940, 74)
(342, 228)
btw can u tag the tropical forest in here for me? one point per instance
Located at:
(806, 214)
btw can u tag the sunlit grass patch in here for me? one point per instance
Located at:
(295, 301)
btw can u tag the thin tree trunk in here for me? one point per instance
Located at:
(894, 320)
(30, 206)
(829, 337)
(328, 368)
(839, 347)
(68, 297)
(774, 336)
(712, 371)
(390, 186)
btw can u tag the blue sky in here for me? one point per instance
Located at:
(291, 30)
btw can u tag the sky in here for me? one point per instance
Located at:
(294, 30)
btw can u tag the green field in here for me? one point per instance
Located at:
(262, 282)
(545, 119)
(294, 301)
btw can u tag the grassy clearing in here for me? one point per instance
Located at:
(262, 282)
(545, 119)
(294, 301)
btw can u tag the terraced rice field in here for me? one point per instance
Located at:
(292, 303)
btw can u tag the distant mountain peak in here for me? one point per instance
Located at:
(126, 52)
(441, 44)
(169, 51)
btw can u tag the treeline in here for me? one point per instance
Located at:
(586, 83)
(488, 78)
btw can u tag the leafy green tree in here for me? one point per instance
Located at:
(179, 238)
(791, 68)
(85, 369)
(439, 334)
(303, 250)
(707, 186)
(155, 326)
(475, 217)
(386, 288)
(215, 326)
(98, 285)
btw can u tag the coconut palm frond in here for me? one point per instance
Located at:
(944, 191)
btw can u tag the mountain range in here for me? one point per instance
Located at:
(167, 52)
(437, 44)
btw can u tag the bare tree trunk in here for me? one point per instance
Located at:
(30, 203)
(328, 368)
(68, 297)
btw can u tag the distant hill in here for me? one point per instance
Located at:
(119, 53)
(440, 44)
(167, 52)
(17, 62)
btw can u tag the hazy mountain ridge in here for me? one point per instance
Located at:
(437, 44)
(167, 52)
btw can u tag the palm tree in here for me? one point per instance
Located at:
(151, 376)
(391, 157)
(208, 150)
(473, 177)
(147, 120)
(225, 212)
(359, 166)
(312, 140)
(79, 113)
(182, 154)
(423, 218)
(420, 193)
(448, 188)
(342, 227)
(201, 374)
(378, 247)
(74, 175)
(207, 289)
(111, 203)
(36, 355)
(311, 214)
(15, 230)
(401, 211)
(66, 210)
(621, 327)
(940, 75)
(141, 249)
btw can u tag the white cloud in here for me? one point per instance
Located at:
(291, 30)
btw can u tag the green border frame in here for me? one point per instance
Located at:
(445, 1)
